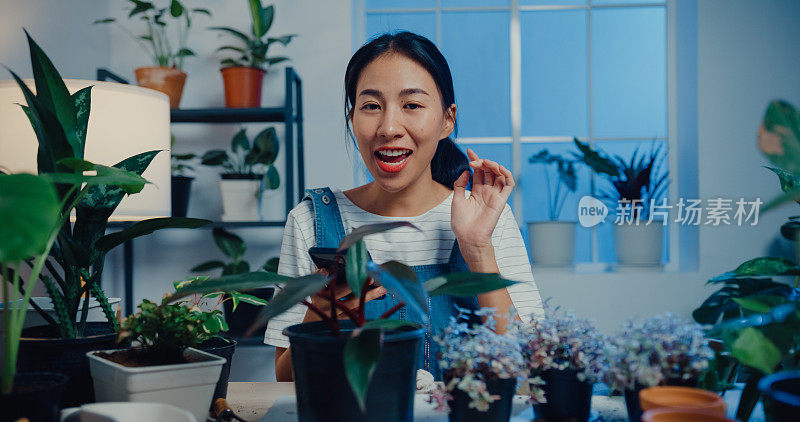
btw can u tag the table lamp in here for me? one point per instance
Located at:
(125, 120)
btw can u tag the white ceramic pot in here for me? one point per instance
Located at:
(552, 243)
(240, 199)
(188, 386)
(639, 246)
(126, 412)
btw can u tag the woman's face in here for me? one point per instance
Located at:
(398, 120)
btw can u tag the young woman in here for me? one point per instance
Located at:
(400, 108)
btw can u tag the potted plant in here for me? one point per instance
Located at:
(553, 241)
(661, 350)
(564, 355)
(248, 173)
(233, 247)
(182, 167)
(481, 370)
(243, 74)
(74, 268)
(34, 215)
(637, 184)
(162, 366)
(356, 370)
(166, 74)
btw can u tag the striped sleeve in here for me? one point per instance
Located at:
(513, 262)
(294, 262)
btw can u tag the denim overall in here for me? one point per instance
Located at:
(329, 232)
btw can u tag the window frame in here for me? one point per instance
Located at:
(359, 13)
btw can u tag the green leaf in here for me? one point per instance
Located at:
(293, 292)
(760, 303)
(207, 266)
(268, 16)
(281, 40)
(106, 20)
(749, 397)
(753, 349)
(250, 299)
(240, 141)
(214, 324)
(236, 33)
(361, 354)
(789, 181)
(239, 267)
(765, 266)
(259, 29)
(175, 8)
(271, 265)
(232, 48)
(369, 229)
(721, 304)
(229, 63)
(203, 11)
(597, 161)
(782, 120)
(29, 211)
(240, 282)
(128, 181)
(214, 158)
(235, 301)
(401, 280)
(275, 60)
(230, 244)
(265, 148)
(145, 227)
(466, 284)
(83, 101)
(356, 267)
(273, 178)
(184, 52)
(140, 7)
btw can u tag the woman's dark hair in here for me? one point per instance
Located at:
(449, 161)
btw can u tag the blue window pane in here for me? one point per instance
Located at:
(499, 153)
(474, 3)
(597, 2)
(399, 4)
(554, 73)
(476, 45)
(537, 199)
(551, 2)
(421, 23)
(625, 150)
(629, 72)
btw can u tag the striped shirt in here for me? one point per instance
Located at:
(431, 246)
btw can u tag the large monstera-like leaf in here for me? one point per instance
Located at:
(29, 211)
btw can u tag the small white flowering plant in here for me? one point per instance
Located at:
(560, 341)
(649, 352)
(472, 355)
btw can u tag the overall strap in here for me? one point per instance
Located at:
(328, 227)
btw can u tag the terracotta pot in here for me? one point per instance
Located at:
(168, 80)
(242, 86)
(682, 415)
(683, 398)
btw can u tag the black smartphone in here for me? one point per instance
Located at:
(325, 258)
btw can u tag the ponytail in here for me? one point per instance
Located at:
(448, 163)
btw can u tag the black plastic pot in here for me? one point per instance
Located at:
(42, 349)
(499, 410)
(222, 347)
(35, 396)
(241, 319)
(634, 406)
(323, 393)
(181, 186)
(568, 399)
(781, 396)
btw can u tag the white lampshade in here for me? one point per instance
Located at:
(125, 120)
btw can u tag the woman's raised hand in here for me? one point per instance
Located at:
(474, 218)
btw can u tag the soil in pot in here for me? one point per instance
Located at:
(181, 187)
(634, 406)
(42, 349)
(781, 396)
(499, 410)
(222, 347)
(36, 396)
(323, 393)
(168, 80)
(136, 358)
(242, 86)
(240, 320)
(568, 399)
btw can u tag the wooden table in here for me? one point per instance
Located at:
(251, 400)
